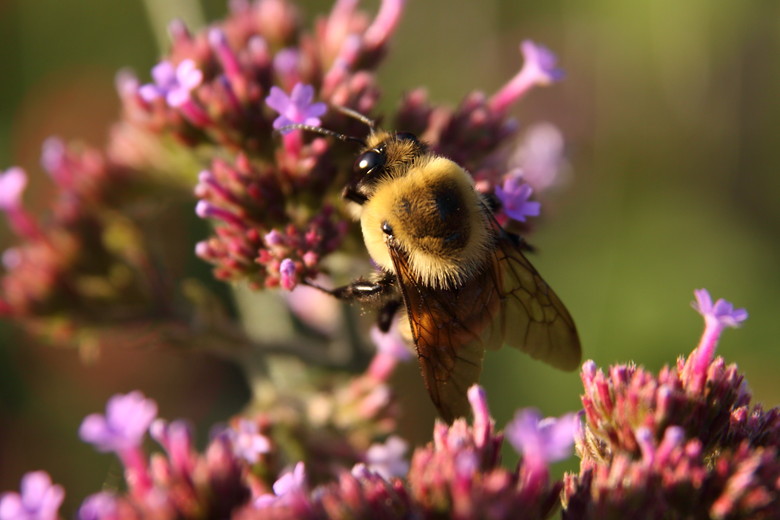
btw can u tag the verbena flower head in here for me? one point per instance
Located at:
(39, 499)
(684, 442)
(126, 421)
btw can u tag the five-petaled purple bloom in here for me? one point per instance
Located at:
(39, 499)
(173, 84)
(123, 426)
(721, 312)
(295, 108)
(514, 196)
(542, 441)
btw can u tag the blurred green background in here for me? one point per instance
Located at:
(670, 112)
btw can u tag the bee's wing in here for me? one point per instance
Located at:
(450, 328)
(535, 320)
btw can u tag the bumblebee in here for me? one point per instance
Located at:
(463, 280)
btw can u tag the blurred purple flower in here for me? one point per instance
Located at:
(539, 68)
(514, 196)
(127, 419)
(388, 459)
(542, 441)
(296, 107)
(540, 156)
(39, 499)
(247, 442)
(98, 506)
(12, 184)
(287, 272)
(173, 84)
(291, 482)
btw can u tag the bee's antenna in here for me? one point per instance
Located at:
(356, 115)
(320, 130)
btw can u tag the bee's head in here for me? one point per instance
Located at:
(385, 156)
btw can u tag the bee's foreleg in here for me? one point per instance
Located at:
(363, 291)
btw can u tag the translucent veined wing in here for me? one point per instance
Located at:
(507, 302)
(450, 328)
(535, 319)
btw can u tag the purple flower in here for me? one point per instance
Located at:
(540, 63)
(39, 499)
(12, 184)
(722, 312)
(388, 459)
(539, 68)
(123, 427)
(542, 441)
(97, 506)
(291, 485)
(174, 85)
(297, 108)
(514, 196)
(291, 482)
(247, 442)
(287, 272)
(717, 317)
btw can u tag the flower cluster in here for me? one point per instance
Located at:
(243, 474)
(683, 443)
(213, 119)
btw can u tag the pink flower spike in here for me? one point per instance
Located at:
(384, 24)
(296, 108)
(39, 499)
(13, 181)
(514, 196)
(219, 42)
(717, 317)
(482, 420)
(539, 68)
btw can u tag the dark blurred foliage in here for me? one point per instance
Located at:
(669, 110)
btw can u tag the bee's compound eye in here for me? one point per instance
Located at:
(369, 161)
(387, 229)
